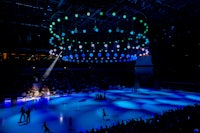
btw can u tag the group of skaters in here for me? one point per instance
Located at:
(25, 119)
(25, 115)
(99, 96)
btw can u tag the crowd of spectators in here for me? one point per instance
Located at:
(180, 120)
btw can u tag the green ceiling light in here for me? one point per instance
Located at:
(66, 17)
(134, 18)
(101, 13)
(76, 15)
(114, 14)
(53, 23)
(58, 20)
(124, 16)
(88, 13)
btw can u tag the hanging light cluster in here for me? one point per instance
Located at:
(121, 42)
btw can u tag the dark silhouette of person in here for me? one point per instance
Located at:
(104, 113)
(70, 123)
(46, 129)
(22, 116)
(28, 115)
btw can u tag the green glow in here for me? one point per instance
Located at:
(101, 13)
(58, 20)
(114, 13)
(76, 15)
(88, 13)
(66, 17)
(124, 16)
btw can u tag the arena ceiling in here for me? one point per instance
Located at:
(40, 12)
(37, 15)
(26, 23)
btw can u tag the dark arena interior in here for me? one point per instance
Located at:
(101, 66)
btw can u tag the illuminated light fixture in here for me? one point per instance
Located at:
(133, 40)
(96, 29)
(124, 16)
(101, 13)
(88, 13)
(114, 13)
(84, 30)
(66, 17)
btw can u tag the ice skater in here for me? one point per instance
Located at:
(28, 115)
(46, 129)
(70, 123)
(22, 116)
(104, 113)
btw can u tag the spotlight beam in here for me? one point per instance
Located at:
(50, 68)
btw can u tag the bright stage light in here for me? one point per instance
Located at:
(50, 68)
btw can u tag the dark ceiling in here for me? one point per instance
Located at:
(30, 19)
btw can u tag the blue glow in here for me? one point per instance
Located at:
(63, 34)
(76, 55)
(99, 54)
(126, 104)
(109, 30)
(172, 102)
(83, 55)
(84, 31)
(107, 54)
(70, 56)
(132, 32)
(128, 56)
(72, 32)
(133, 57)
(193, 97)
(91, 54)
